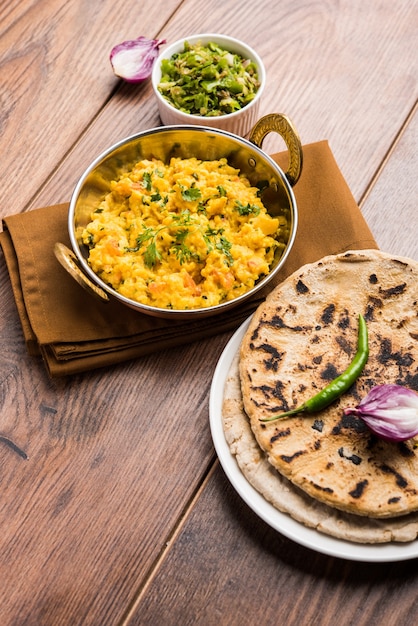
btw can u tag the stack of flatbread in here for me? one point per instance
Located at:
(327, 470)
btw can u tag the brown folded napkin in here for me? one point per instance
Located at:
(75, 332)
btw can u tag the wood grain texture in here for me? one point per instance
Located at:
(343, 71)
(55, 76)
(117, 457)
(228, 567)
(390, 207)
(107, 477)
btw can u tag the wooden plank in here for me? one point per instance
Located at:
(343, 71)
(116, 455)
(226, 566)
(392, 201)
(55, 76)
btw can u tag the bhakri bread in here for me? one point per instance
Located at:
(291, 500)
(304, 335)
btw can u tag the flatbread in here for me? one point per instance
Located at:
(304, 335)
(291, 500)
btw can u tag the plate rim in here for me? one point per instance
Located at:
(282, 522)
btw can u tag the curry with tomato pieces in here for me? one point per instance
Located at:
(184, 235)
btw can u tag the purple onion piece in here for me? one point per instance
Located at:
(133, 60)
(390, 411)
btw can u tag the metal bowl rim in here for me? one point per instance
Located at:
(156, 311)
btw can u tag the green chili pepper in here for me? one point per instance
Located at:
(340, 384)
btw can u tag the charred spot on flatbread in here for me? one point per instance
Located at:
(303, 336)
(293, 501)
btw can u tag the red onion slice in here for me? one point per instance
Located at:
(133, 60)
(390, 411)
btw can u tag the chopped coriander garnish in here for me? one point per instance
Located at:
(147, 181)
(181, 250)
(151, 254)
(183, 218)
(191, 194)
(182, 242)
(183, 226)
(225, 247)
(246, 209)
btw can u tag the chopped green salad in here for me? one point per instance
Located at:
(208, 80)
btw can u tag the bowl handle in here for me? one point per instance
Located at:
(69, 261)
(281, 124)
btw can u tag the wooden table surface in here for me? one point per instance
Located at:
(122, 513)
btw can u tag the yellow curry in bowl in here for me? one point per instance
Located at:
(186, 234)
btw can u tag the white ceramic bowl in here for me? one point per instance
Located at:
(239, 122)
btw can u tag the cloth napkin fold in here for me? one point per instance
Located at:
(74, 332)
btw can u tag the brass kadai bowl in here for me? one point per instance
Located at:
(185, 142)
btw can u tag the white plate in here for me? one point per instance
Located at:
(281, 522)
